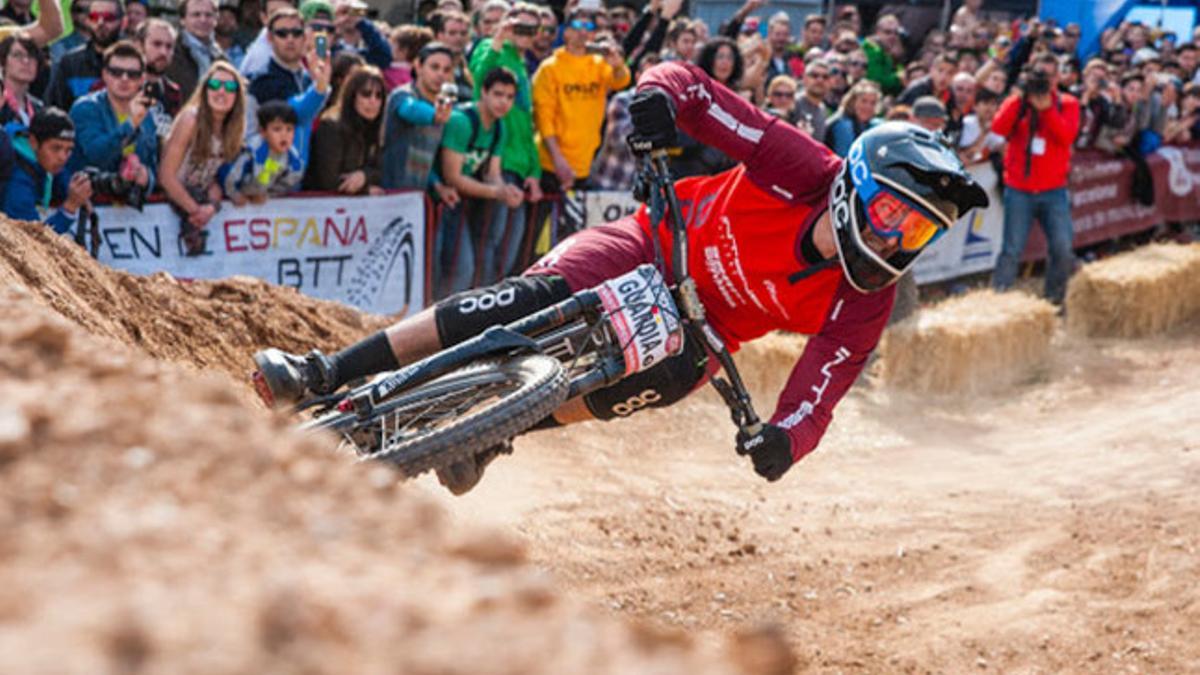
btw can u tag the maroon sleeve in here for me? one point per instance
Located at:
(831, 362)
(779, 158)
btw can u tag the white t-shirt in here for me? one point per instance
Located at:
(971, 131)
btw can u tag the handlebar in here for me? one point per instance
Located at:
(654, 186)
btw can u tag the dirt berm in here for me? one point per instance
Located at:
(155, 522)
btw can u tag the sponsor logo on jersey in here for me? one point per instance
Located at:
(818, 390)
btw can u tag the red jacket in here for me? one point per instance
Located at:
(746, 233)
(1057, 128)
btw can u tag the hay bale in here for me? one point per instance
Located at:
(982, 340)
(1143, 292)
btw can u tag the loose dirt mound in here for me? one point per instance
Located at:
(155, 523)
(208, 324)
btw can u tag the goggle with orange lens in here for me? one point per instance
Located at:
(892, 217)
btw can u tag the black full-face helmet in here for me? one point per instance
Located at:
(898, 191)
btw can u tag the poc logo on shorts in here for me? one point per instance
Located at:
(485, 300)
(636, 403)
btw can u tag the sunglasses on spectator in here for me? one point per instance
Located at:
(103, 17)
(580, 24)
(124, 73)
(284, 33)
(214, 84)
(320, 27)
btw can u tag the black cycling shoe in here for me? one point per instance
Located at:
(283, 378)
(464, 474)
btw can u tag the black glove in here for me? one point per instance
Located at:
(771, 450)
(653, 121)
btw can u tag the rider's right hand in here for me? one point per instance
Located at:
(653, 121)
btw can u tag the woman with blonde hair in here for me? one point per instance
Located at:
(854, 116)
(206, 134)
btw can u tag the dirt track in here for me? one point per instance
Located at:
(165, 524)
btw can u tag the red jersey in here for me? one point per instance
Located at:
(751, 254)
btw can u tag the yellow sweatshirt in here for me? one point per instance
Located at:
(569, 97)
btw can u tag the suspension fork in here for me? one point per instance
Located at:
(732, 391)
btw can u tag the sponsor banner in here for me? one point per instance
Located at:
(1103, 206)
(606, 206)
(368, 252)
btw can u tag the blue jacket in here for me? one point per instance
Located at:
(100, 139)
(73, 76)
(30, 190)
(256, 171)
(841, 130)
(411, 140)
(277, 83)
(375, 50)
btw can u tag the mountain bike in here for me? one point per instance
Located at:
(490, 388)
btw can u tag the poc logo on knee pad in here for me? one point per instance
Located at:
(636, 403)
(485, 300)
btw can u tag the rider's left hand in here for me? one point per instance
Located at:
(770, 449)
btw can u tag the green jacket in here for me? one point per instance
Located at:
(520, 153)
(881, 69)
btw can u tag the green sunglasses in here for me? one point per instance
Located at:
(231, 86)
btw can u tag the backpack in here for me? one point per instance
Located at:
(476, 128)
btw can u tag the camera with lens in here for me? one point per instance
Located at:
(110, 184)
(1034, 82)
(524, 29)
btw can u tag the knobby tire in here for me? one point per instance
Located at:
(539, 386)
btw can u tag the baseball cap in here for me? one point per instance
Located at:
(51, 123)
(310, 8)
(929, 107)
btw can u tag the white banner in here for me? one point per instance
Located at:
(368, 252)
(605, 206)
(973, 244)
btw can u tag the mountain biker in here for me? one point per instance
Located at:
(766, 239)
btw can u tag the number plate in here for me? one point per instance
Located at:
(643, 317)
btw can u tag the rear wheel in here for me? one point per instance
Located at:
(456, 415)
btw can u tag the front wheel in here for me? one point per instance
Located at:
(456, 415)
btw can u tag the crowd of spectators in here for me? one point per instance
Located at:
(489, 106)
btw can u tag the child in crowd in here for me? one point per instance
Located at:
(269, 165)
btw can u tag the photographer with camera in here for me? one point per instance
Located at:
(1103, 115)
(39, 179)
(1040, 124)
(117, 135)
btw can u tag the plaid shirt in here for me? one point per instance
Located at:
(615, 166)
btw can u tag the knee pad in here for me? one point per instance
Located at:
(467, 314)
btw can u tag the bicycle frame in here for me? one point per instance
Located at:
(578, 326)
